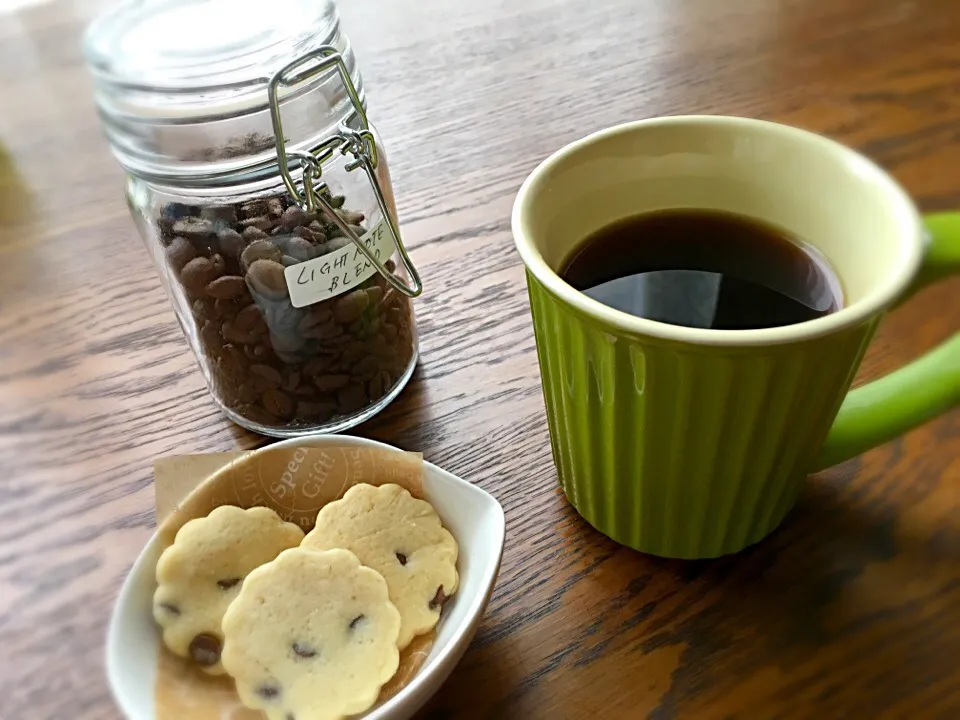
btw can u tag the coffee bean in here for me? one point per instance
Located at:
(205, 650)
(375, 294)
(277, 403)
(258, 351)
(274, 207)
(246, 392)
(231, 334)
(301, 249)
(318, 411)
(270, 374)
(292, 216)
(233, 362)
(260, 250)
(228, 287)
(253, 208)
(220, 214)
(265, 277)
(231, 243)
(329, 383)
(193, 228)
(291, 380)
(200, 272)
(351, 218)
(316, 366)
(261, 222)
(210, 333)
(179, 252)
(367, 367)
(379, 384)
(248, 319)
(349, 307)
(351, 398)
(252, 233)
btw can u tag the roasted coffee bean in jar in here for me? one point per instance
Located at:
(283, 259)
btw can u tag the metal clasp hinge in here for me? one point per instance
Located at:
(360, 144)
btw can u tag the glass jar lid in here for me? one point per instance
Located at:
(182, 85)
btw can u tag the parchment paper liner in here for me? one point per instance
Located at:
(296, 482)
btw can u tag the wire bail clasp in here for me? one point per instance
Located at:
(359, 144)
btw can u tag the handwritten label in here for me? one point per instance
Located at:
(340, 271)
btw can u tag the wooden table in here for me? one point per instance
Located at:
(852, 608)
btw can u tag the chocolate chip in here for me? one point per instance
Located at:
(402, 558)
(170, 608)
(268, 691)
(205, 650)
(303, 650)
(356, 621)
(438, 600)
(228, 583)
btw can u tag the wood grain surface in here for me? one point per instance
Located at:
(850, 610)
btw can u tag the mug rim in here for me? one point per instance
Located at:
(876, 301)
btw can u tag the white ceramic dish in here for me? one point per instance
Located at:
(473, 516)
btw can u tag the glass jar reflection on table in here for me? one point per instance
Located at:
(297, 328)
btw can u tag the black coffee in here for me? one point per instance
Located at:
(704, 269)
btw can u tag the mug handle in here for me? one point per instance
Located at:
(930, 385)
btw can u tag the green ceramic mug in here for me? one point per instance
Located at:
(693, 443)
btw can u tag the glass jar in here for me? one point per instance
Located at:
(263, 195)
